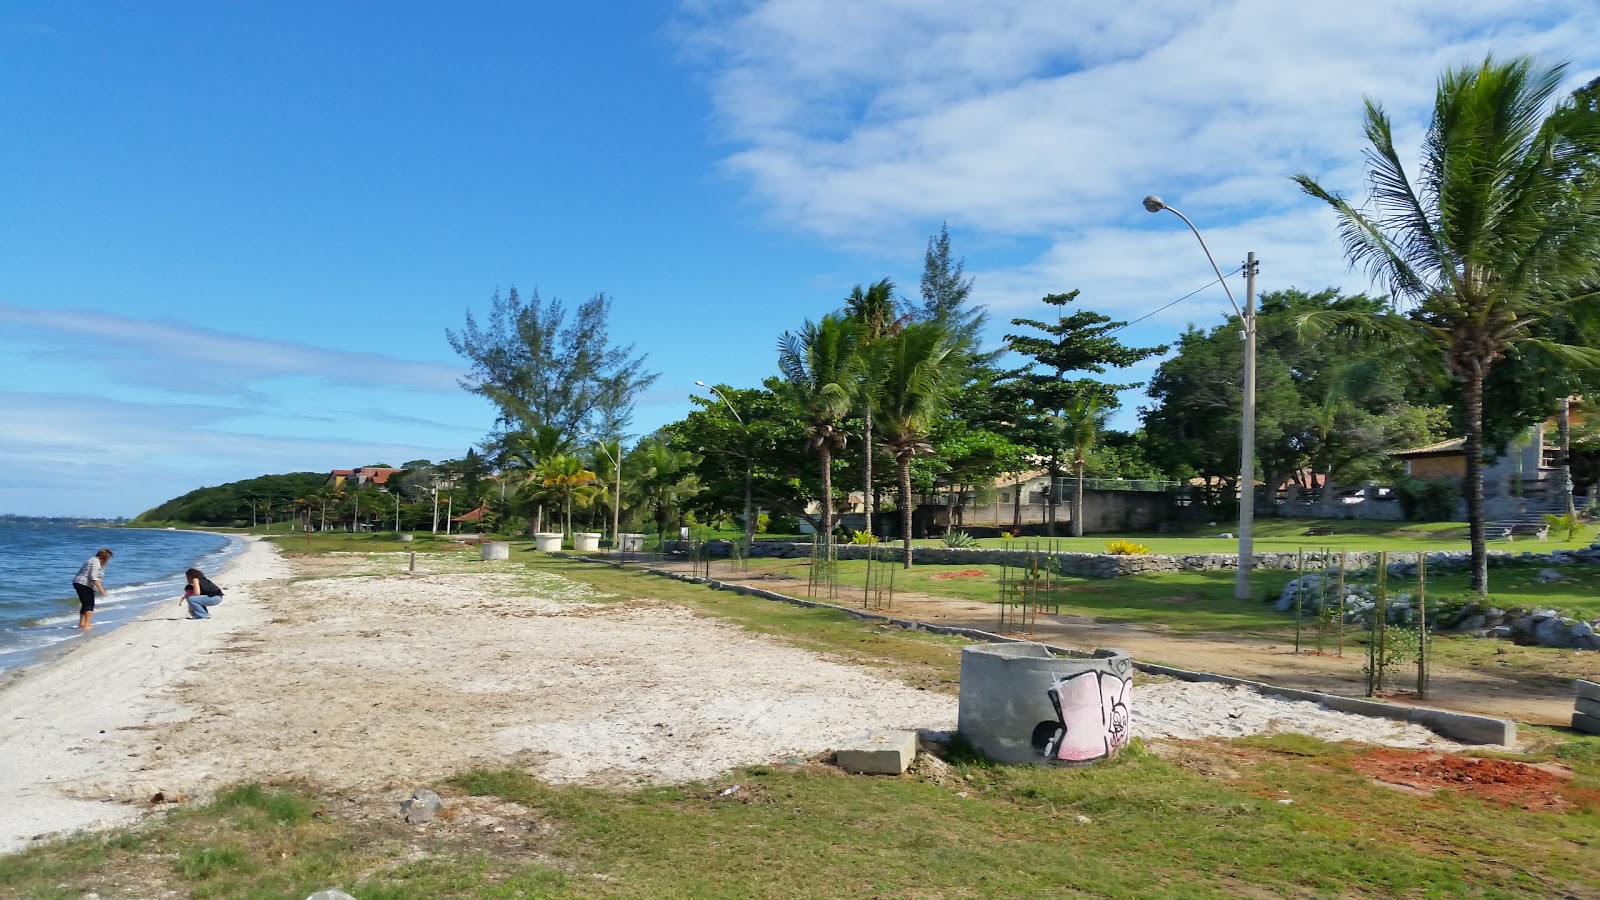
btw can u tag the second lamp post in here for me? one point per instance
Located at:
(1247, 428)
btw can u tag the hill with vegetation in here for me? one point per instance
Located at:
(232, 503)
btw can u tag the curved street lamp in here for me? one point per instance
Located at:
(1247, 428)
(749, 522)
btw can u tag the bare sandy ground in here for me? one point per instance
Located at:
(348, 672)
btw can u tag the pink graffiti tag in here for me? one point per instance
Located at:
(1093, 709)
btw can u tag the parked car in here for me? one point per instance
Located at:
(1351, 496)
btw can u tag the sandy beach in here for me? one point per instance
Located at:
(348, 672)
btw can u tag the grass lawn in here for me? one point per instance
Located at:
(1191, 820)
(1184, 602)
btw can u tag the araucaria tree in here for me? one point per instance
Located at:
(911, 378)
(1479, 245)
(821, 367)
(1083, 342)
(539, 368)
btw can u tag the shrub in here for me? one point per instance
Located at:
(1121, 547)
(862, 537)
(1566, 526)
(780, 523)
(1427, 500)
(960, 539)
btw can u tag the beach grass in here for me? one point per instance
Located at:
(1279, 816)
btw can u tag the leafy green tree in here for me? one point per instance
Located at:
(1476, 248)
(659, 482)
(821, 369)
(965, 456)
(539, 368)
(910, 381)
(769, 440)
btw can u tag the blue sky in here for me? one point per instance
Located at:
(233, 235)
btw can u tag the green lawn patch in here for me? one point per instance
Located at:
(1284, 816)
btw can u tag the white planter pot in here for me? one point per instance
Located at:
(586, 541)
(495, 550)
(547, 541)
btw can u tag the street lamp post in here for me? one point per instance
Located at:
(396, 508)
(749, 523)
(1247, 429)
(616, 495)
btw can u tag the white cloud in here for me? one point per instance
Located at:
(199, 361)
(867, 122)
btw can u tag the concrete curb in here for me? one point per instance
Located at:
(1465, 727)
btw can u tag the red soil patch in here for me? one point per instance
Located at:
(964, 573)
(1496, 780)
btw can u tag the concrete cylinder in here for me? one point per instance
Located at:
(406, 538)
(1022, 704)
(548, 541)
(632, 543)
(495, 550)
(586, 541)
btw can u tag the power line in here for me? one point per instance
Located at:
(1175, 302)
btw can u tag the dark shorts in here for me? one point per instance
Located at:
(85, 597)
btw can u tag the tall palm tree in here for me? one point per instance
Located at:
(911, 380)
(873, 312)
(820, 366)
(520, 454)
(1496, 224)
(659, 481)
(1078, 429)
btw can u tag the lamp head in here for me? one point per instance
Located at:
(702, 384)
(1153, 203)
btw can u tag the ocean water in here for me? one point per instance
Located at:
(38, 609)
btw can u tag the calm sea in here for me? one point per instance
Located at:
(38, 609)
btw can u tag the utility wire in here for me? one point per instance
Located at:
(1175, 302)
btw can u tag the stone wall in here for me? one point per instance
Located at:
(1100, 565)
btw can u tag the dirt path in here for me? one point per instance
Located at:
(1269, 661)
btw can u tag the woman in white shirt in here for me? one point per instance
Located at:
(87, 583)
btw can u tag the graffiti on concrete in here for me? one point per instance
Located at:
(1092, 718)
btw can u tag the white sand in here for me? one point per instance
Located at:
(93, 710)
(376, 684)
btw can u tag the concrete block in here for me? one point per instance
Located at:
(1589, 707)
(1588, 690)
(1589, 724)
(878, 752)
(495, 550)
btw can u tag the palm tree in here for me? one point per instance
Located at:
(1476, 249)
(820, 367)
(911, 379)
(873, 312)
(659, 481)
(563, 477)
(522, 452)
(1078, 429)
